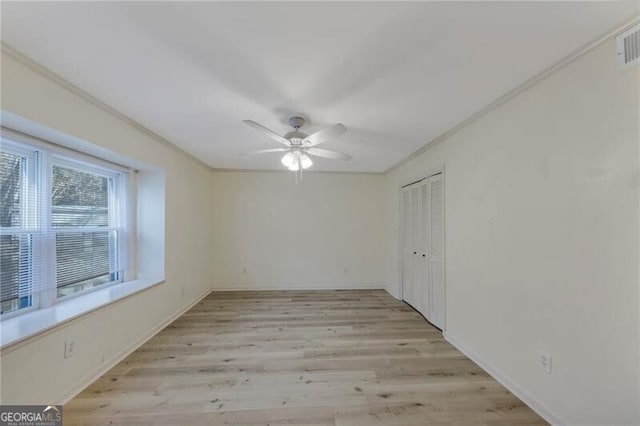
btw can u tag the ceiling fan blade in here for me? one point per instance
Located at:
(270, 133)
(324, 135)
(265, 151)
(325, 153)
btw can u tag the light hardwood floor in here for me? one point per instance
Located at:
(298, 358)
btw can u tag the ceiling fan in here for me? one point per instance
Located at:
(299, 146)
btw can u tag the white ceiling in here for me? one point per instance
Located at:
(396, 74)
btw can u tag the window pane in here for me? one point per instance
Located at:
(11, 181)
(15, 272)
(79, 198)
(84, 260)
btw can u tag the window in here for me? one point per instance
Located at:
(62, 226)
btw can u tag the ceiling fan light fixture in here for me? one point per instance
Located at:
(289, 160)
(294, 167)
(294, 159)
(305, 161)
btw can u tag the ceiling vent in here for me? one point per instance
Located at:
(628, 48)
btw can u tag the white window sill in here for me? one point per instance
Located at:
(22, 327)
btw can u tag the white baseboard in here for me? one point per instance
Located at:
(279, 287)
(535, 405)
(115, 359)
(394, 292)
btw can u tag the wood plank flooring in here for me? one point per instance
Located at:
(298, 358)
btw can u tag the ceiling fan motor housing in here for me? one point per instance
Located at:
(296, 122)
(295, 137)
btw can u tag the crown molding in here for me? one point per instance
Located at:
(304, 173)
(571, 57)
(57, 79)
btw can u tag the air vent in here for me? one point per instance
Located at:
(628, 48)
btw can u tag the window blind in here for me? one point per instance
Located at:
(62, 226)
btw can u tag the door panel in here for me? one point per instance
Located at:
(416, 231)
(407, 253)
(436, 251)
(423, 253)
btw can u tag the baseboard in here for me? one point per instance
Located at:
(313, 287)
(395, 293)
(535, 405)
(114, 360)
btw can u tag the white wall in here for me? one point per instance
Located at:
(35, 371)
(324, 232)
(542, 239)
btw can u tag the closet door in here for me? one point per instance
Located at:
(416, 242)
(407, 250)
(423, 253)
(436, 251)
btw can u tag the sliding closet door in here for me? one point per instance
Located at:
(417, 226)
(407, 250)
(436, 250)
(423, 253)
(412, 243)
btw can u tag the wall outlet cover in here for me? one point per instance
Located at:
(69, 348)
(545, 361)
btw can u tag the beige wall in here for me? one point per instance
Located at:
(324, 232)
(36, 371)
(542, 239)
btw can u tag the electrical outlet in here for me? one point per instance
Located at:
(545, 361)
(69, 348)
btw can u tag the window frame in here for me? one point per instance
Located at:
(42, 156)
(28, 226)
